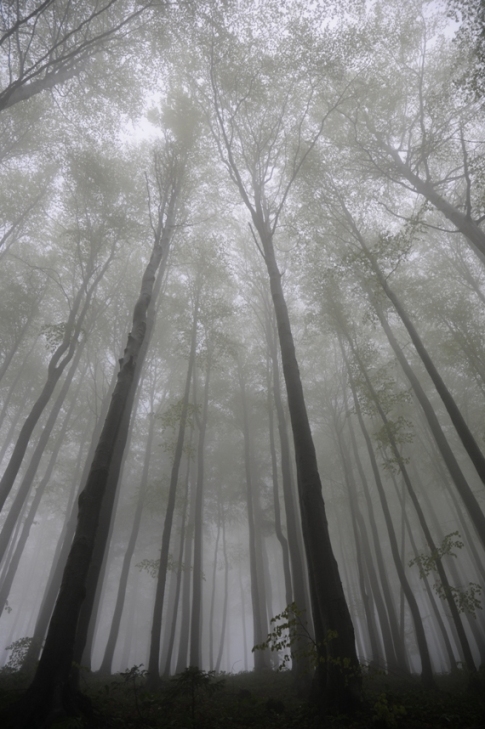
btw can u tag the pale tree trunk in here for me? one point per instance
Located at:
(29, 519)
(393, 642)
(57, 364)
(107, 661)
(469, 499)
(426, 670)
(28, 478)
(48, 695)
(464, 433)
(154, 658)
(376, 649)
(226, 593)
(429, 592)
(422, 521)
(213, 590)
(261, 658)
(181, 566)
(196, 617)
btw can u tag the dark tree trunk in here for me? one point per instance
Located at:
(64, 543)
(329, 606)
(48, 695)
(213, 590)
(87, 619)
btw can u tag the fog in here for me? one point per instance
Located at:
(243, 288)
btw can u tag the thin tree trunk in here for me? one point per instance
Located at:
(467, 495)
(196, 617)
(19, 548)
(377, 657)
(424, 525)
(426, 670)
(462, 429)
(25, 486)
(261, 658)
(181, 568)
(393, 642)
(213, 591)
(226, 594)
(58, 362)
(154, 658)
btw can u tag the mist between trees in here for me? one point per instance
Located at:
(242, 311)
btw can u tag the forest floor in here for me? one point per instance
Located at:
(200, 700)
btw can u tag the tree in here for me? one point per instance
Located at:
(251, 124)
(44, 43)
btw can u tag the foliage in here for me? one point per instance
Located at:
(18, 650)
(387, 715)
(466, 600)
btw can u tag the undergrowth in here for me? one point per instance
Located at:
(264, 700)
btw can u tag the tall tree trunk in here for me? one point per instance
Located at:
(226, 594)
(106, 664)
(213, 590)
(329, 606)
(29, 519)
(87, 619)
(154, 658)
(57, 364)
(196, 617)
(377, 657)
(25, 486)
(393, 642)
(276, 501)
(181, 568)
(469, 499)
(462, 429)
(65, 541)
(261, 658)
(426, 670)
(46, 697)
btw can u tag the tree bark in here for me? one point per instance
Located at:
(46, 697)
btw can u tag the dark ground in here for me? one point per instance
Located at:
(197, 700)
